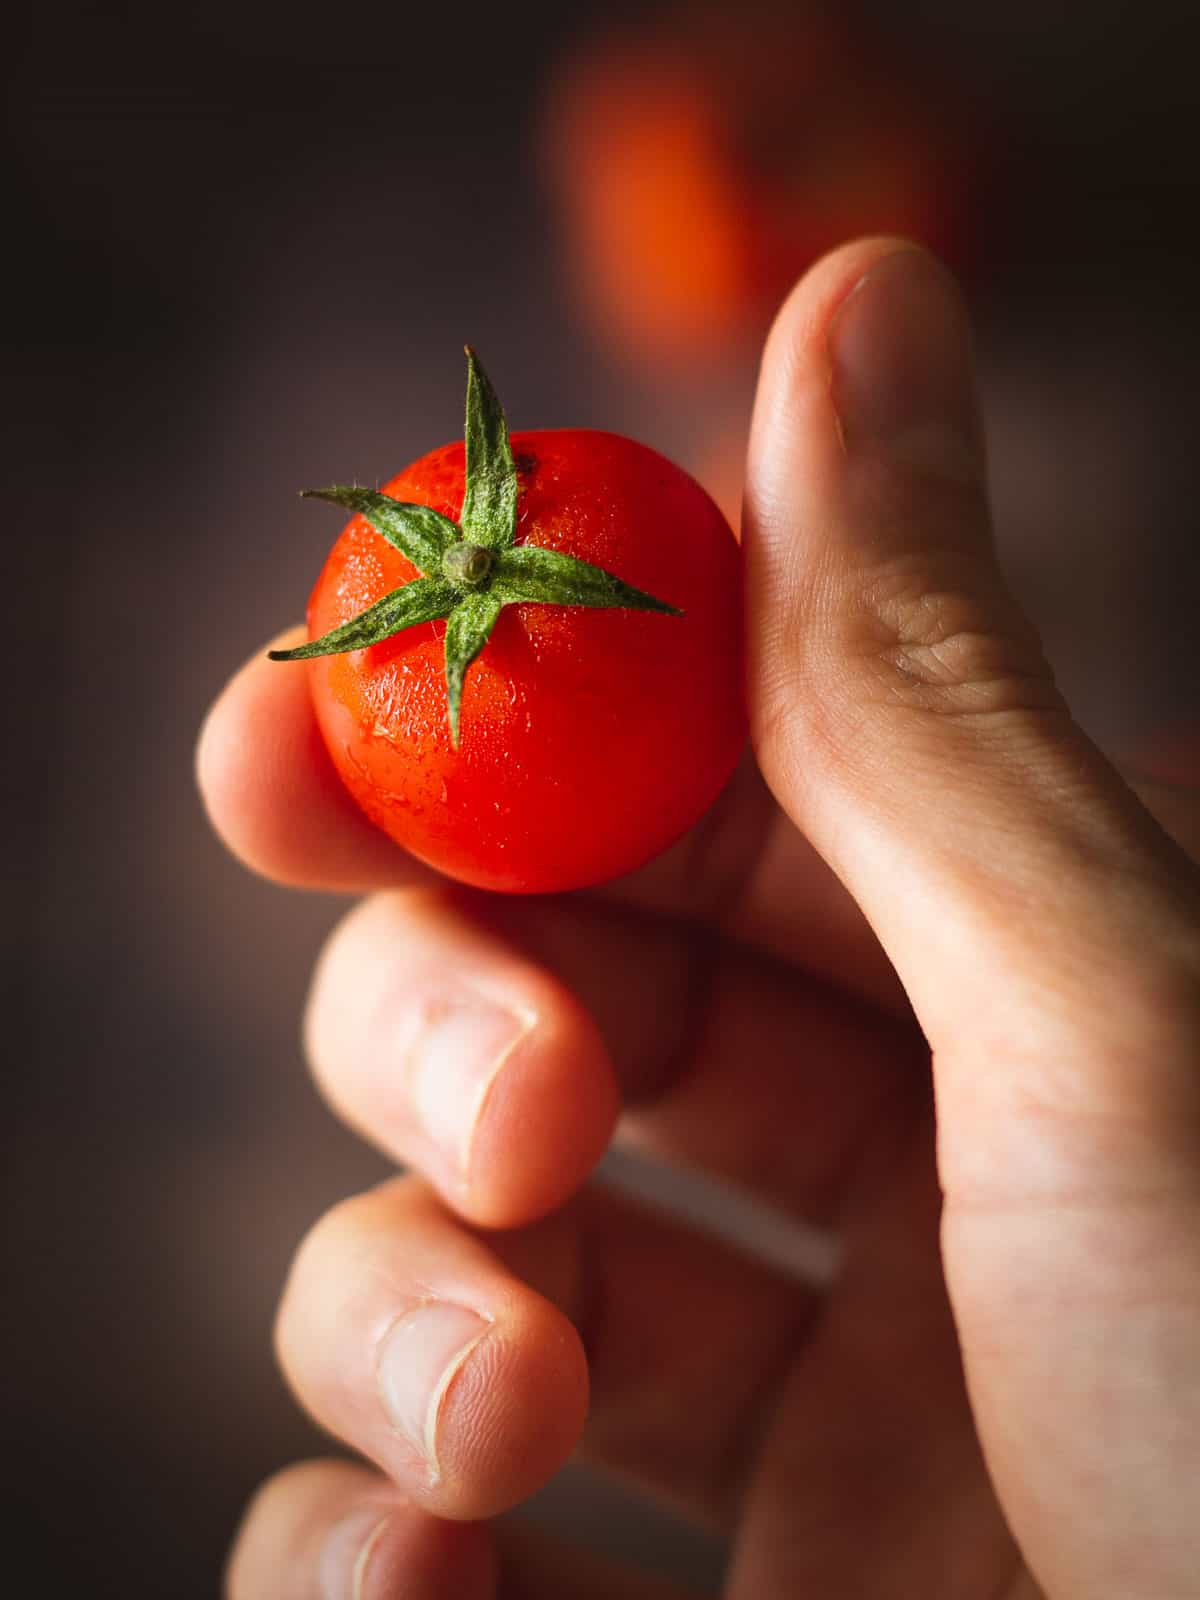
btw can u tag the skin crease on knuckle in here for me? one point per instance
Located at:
(935, 636)
(932, 642)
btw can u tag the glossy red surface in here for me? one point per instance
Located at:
(590, 739)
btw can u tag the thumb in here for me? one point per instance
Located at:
(1045, 929)
(907, 720)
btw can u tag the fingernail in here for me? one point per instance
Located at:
(455, 1050)
(420, 1355)
(902, 380)
(348, 1551)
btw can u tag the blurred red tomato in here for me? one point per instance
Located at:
(703, 164)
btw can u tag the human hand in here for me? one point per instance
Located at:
(999, 1393)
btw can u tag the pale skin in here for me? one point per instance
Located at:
(998, 1398)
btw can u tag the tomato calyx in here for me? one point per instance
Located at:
(472, 568)
(467, 565)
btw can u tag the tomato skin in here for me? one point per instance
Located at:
(590, 739)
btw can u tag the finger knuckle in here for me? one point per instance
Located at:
(940, 639)
(1095, 1107)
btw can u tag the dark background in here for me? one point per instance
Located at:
(245, 244)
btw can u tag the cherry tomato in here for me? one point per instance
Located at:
(587, 739)
(701, 162)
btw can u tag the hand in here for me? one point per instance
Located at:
(999, 1394)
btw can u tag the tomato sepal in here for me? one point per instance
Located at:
(467, 631)
(470, 569)
(418, 532)
(551, 577)
(489, 508)
(425, 600)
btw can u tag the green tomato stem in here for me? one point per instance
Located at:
(472, 568)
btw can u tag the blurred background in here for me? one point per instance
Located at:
(246, 244)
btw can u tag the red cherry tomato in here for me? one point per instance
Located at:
(589, 740)
(703, 160)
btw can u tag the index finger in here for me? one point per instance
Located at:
(274, 797)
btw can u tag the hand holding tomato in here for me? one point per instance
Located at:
(997, 1391)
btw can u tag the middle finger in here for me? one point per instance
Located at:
(491, 1043)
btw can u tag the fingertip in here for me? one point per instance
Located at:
(225, 772)
(801, 324)
(271, 791)
(796, 460)
(460, 1056)
(545, 1121)
(410, 1338)
(514, 1414)
(870, 360)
